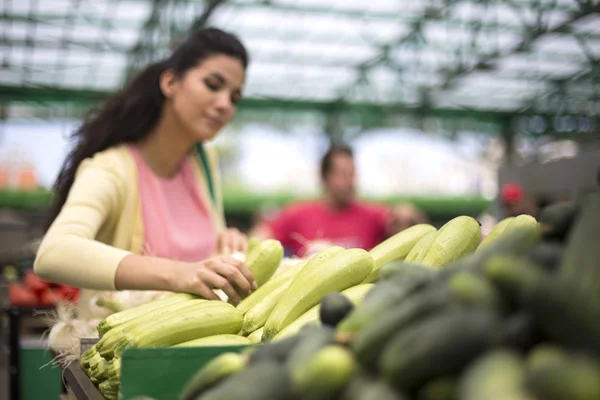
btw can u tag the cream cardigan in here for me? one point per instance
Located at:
(101, 221)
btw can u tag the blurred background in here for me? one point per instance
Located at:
(443, 101)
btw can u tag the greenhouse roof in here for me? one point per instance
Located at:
(483, 56)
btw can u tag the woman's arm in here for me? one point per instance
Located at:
(69, 253)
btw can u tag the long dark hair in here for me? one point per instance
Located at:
(132, 113)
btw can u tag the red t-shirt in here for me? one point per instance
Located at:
(357, 226)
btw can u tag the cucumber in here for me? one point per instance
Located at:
(557, 219)
(333, 308)
(417, 253)
(439, 345)
(578, 377)
(474, 290)
(547, 255)
(396, 247)
(515, 243)
(363, 387)
(520, 331)
(325, 374)
(369, 342)
(314, 340)
(458, 238)
(497, 374)
(274, 352)
(219, 368)
(442, 388)
(545, 355)
(398, 270)
(378, 300)
(257, 382)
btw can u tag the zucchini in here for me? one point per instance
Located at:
(321, 275)
(258, 306)
(396, 247)
(264, 259)
(121, 317)
(417, 253)
(256, 336)
(521, 221)
(204, 319)
(355, 294)
(107, 343)
(216, 340)
(495, 233)
(458, 238)
(442, 388)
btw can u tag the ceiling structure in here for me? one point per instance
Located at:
(364, 62)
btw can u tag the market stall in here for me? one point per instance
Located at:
(350, 324)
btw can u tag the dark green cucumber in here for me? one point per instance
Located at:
(514, 243)
(334, 308)
(314, 339)
(580, 262)
(566, 314)
(398, 270)
(370, 341)
(474, 290)
(520, 331)
(497, 374)
(363, 387)
(442, 388)
(383, 297)
(436, 346)
(557, 219)
(547, 255)
(578, 377)
(325, 374)
(262, 381)
(277, 351)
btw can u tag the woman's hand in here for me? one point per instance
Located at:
(220, 272)
(231, 240)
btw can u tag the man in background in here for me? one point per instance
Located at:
(338, 217)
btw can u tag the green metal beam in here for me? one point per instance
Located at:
(556, 55)
(525, 43)
(292, 8)
(451, 23)
(56, 95)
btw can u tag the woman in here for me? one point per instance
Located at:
(138, 205)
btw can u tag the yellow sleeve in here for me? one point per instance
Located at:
(69, 253)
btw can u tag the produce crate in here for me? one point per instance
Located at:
(161, 373)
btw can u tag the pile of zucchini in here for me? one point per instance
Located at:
(517, 318)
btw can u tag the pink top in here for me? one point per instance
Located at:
(177, 224)
(358, 225)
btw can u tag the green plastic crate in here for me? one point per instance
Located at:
(162, 373)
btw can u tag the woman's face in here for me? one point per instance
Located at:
(204, 99)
